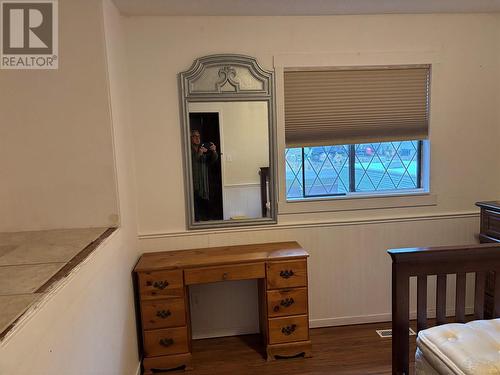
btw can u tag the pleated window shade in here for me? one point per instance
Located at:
(358, 105)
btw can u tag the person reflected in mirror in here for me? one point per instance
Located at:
(202, 156)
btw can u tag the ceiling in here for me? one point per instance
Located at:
(301, 7)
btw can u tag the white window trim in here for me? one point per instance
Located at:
(414, 199)
(353, 201)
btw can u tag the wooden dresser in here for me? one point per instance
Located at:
(489, 233)
(490, 221)
(162, 283)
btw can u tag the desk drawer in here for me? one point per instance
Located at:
(165, 341)
(163, 313)
(223, 273)
(287, 302)
(286, 274)
(295, 328)
(157, 284)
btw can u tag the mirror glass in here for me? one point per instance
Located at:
(229, 153)
(227, 103)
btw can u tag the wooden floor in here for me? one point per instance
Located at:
(336, 350)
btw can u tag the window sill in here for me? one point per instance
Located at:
(357, 202)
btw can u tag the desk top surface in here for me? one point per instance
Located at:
(213, 256)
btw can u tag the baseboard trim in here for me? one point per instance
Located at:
(375, 318)
(349, 320)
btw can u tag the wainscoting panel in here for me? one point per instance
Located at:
(242, 200)
(349, 268)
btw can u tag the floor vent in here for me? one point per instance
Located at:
(388, 332)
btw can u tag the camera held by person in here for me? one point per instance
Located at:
(205, 147)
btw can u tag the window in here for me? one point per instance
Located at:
(352, 132)
(361, 168)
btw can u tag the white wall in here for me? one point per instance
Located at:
(87, 325)
(56, 156)
(464, 98)
(349, 268)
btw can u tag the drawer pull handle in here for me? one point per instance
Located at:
(163, 314)
(225, 276)
(160, 284)
(286, 274)
(288, 330)
(287, 302)
(166, 342)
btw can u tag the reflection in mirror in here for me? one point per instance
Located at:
(227, 104)
(229, 160)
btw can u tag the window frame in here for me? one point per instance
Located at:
(297, 211)
(421, 175)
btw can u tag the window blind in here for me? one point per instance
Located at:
(356, 105)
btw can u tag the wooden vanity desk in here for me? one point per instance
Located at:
(162, 284)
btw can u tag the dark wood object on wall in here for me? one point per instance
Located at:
(264, 196)
(490, 222)
(162, 286)
(440, 261)
(489, 233)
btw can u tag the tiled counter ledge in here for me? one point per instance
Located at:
(32, 262)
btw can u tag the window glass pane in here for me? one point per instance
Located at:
(326, 170)
(293, 158)
(386, 166)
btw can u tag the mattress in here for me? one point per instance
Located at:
(422, 366)
(455, 348)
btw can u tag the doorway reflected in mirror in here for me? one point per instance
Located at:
(206, 166)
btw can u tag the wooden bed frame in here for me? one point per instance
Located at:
(440, 261)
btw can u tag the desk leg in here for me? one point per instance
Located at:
(263, 312)
(188, 317)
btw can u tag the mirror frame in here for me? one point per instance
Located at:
(201, 85)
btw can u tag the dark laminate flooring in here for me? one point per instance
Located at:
(353, 349)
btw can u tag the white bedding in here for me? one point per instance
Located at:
(464, 349)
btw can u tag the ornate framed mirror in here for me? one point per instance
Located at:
(229, 127)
